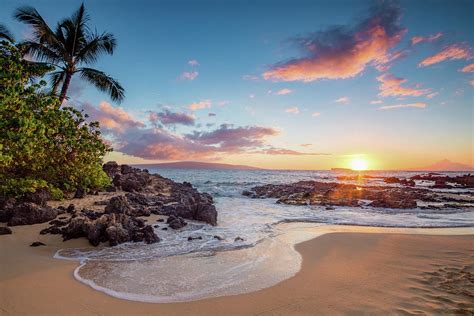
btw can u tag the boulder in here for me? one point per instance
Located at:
(111, 168)
(118, 205)
(149, 235)
(40, 196)
(29, 213)
(5, 231)
(175, 222)
(80, 193)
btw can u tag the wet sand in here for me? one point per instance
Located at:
(342, 273)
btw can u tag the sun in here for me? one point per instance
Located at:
(359, 164)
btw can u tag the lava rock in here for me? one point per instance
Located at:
(37, 244)
(176, 222)
(80, 193)
(29, 213)
(5, 231)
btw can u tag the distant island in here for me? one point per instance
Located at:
(445, 165)
(197, 165)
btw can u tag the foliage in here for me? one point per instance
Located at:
(42, 145)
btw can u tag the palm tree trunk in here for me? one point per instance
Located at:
(66, 83)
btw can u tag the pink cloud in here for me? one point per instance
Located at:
(316, 114)
(293, 110)
(111, 118)
(305, 145)
(343, 52)
(419, 105)
(284, 91)
(420, 39)
(167, 117)
(343, 100)
(452, 52)
(468, 68)
(282, 151)
(204, 104)
(189, 75)
(391, 86)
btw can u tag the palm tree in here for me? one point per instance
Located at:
(5, 34)
(68, 48)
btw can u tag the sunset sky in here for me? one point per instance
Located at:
(282, 84)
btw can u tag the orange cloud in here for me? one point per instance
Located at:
(200, 105)
(293, 110)
(284, 91)
(316, 114)
(420, 39)
(420, 105)
(340, 52)
(391, 86)
(452, 52)
(468, 68)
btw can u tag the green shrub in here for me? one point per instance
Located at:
(42, 144)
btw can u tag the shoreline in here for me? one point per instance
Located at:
(30, 277)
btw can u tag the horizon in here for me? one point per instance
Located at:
(380, 85)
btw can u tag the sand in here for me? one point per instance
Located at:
(342, 273)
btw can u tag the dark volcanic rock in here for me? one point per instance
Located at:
(37, 244)
(115, 228)
(29, 213)
(111, 168)
(176, 222)
(5, 231)
(40, 196)
(118, 205)
(80, 193)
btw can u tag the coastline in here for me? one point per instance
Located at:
(388, 271)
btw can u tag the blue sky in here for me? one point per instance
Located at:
(236, 40)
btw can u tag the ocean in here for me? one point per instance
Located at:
(258, 238)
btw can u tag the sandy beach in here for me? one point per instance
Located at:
(342, 273)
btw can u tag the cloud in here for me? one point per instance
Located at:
(343, 100)
(193, 62)
(284, 91)
(110, 118)
(250, 77)
(211, 114)
(204, 104)
(316, 114)
(222, 103)
(189, 75)
(230, 138)
(293, 110)
(420, 39)
(451, 52)
(251, 96)
(306, 145)
(342, 52)
(420, 105)
(432, 95)
(282, 151)
(468, 68)
(391, 86)
(471, 82)
(376, 102)
(167, 117)
(132, 137)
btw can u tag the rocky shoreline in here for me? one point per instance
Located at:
(404, 196)
(116, 217)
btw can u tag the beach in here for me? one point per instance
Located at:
(342, 273)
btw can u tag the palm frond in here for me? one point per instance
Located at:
(40, 52)
(30, 16)
(56, 78)
(104, 83)
(96, 46)
(6, 34)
